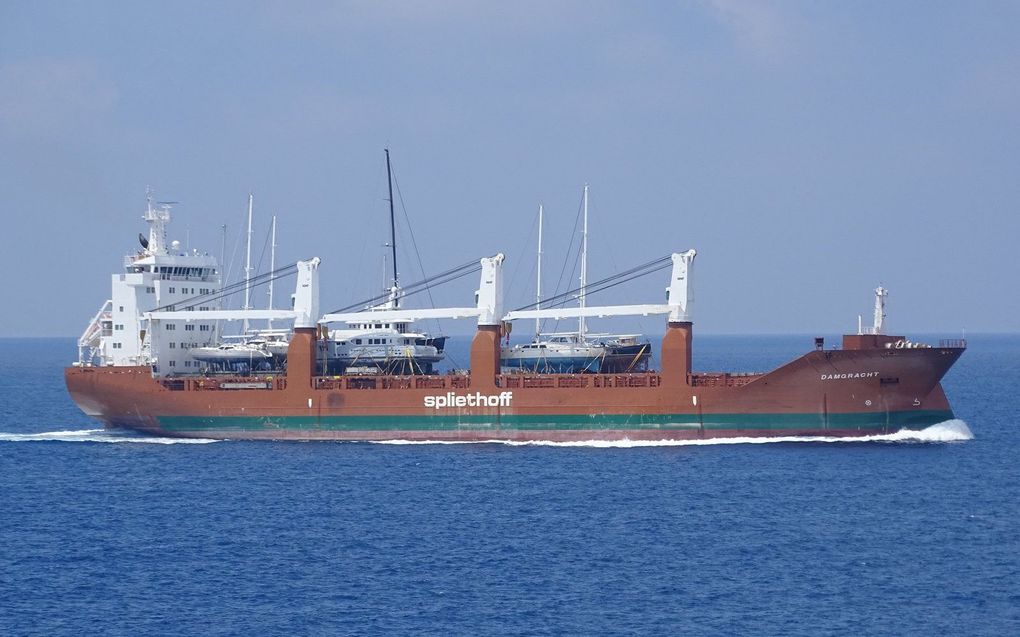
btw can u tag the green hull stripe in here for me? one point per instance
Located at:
(759, 422)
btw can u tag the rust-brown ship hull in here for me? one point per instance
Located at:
(845, 392)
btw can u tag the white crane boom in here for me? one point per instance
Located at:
(488, 309)
(306, 304)
(679, 300)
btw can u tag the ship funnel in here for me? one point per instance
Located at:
(680, 293)
(306, 294)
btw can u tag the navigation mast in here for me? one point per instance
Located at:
(878, 327)
(158, 218)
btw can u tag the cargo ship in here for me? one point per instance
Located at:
(872, 383)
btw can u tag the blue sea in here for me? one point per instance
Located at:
(119, 534)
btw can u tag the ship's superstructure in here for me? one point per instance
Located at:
(159, 275)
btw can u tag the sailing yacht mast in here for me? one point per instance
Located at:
(272, 268)
(247, 266)
(223, 248)
(584, 267)
(538, 283)
(393, 233)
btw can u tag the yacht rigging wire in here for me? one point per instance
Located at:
(446, 276)
(414, 243)
(233, 288)
(558, 300)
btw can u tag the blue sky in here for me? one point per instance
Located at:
(809, 151)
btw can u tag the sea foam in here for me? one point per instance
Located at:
(97, 435)
(948, 431)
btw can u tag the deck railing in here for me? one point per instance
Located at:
(722, 379)
(450, 382)
(577, 381)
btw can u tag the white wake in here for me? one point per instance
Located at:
(948, 431)
(98, 435)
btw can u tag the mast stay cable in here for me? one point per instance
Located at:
(446, 276)
(558, 300)
(233, 288)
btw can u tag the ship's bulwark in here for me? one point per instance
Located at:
(831, 393)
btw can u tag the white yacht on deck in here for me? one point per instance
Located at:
(580, 351)
(251, 354)
(570, 353)
(384, 346)
(253, 349)
(387, 347)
